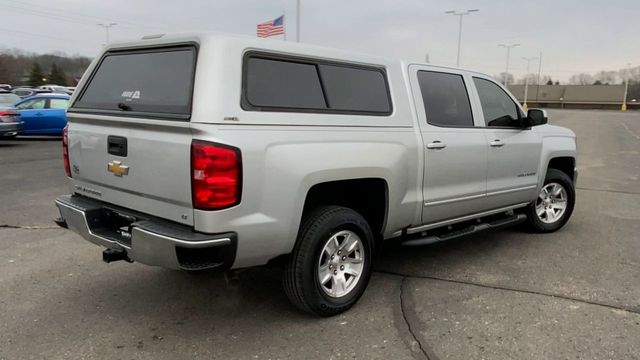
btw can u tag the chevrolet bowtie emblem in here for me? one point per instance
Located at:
(117, 168)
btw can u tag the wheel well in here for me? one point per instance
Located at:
(366, 196)
(564, 164)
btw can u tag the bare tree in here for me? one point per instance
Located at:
(581, 79)
(545, 80)
(606, 77)
(533, 79)
(633, 73)
(500, 78)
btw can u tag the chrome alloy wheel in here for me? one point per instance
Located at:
(551, 203)
(341, 264)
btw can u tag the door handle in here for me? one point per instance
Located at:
(39, 114)
(436, 145)
(496, 143)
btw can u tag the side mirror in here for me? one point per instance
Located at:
(536, 117)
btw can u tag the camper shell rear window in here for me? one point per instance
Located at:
(155, 82)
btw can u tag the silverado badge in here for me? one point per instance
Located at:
(117, 168)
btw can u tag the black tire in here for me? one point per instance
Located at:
(534, 222)
(301, 282)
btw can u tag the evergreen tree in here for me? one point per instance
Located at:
(57, 75)
(36, 75)
(550, 82)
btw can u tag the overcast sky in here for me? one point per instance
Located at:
(573, 35)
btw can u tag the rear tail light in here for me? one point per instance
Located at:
(8, 116)
(65, 150)
(216, 175)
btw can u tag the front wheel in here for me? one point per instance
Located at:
(554, 205)
(330, 266)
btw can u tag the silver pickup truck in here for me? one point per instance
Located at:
(199, 152)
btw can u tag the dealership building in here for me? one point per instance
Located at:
(574, 96)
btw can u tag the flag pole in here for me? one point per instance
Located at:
(297, 20)
(284, 24)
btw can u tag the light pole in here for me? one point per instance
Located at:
(526, 80)
(297, 20)
(106, 28)
(506, 71)
(626, 88)
(460, 14)
(539, 72)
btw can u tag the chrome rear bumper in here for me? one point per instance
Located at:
(146, 239)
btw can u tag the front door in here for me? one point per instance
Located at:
(513, 151)
(32, 113)
(455, 149)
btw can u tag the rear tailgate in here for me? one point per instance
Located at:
(129, 134)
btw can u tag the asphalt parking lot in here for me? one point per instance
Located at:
(499, 295)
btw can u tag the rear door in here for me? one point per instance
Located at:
(129, 135)
(56, 117)
(455, 151)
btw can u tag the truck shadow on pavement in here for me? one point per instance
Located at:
(134, 289)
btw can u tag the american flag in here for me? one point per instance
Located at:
(271, 28)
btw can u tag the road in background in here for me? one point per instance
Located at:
(498, 295)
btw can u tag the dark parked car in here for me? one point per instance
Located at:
(10, 126)
(43, 114)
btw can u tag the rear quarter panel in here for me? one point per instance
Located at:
(280, 165)
(284, 154)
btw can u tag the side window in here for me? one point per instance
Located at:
(25, 105)
(497, 106)
(39, 104)
(446, 102)
(355, 89)
(275, 83)
(34, 104)
(58, 103)
(313, 86)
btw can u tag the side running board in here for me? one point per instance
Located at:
(471, 229)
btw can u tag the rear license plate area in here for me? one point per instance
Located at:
(112, 224)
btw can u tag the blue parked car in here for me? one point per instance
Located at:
(43, 114)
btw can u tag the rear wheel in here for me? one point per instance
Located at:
(554, 205)
(330, 266)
